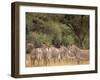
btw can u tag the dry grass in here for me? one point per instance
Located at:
(57, 63)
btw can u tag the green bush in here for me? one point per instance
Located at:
(38, 39)
(68, 40)
(57, 29)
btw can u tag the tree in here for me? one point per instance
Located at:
(60, 29)
(80, 27)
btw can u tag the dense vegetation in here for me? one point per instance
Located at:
(57, 29)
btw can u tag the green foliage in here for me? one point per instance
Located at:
(38, 39)
(57, 29)
(68, 40)
(54, 30)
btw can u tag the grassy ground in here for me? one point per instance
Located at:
(57, 63)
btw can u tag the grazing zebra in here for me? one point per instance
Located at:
(39, 55)
(33, 56)
(62, 51)
(36, 56)
(74, 52)
(55, 54)
(45, 55)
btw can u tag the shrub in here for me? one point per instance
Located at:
(67, 40)
(39, 39)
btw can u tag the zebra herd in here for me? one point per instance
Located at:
(47, 55)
